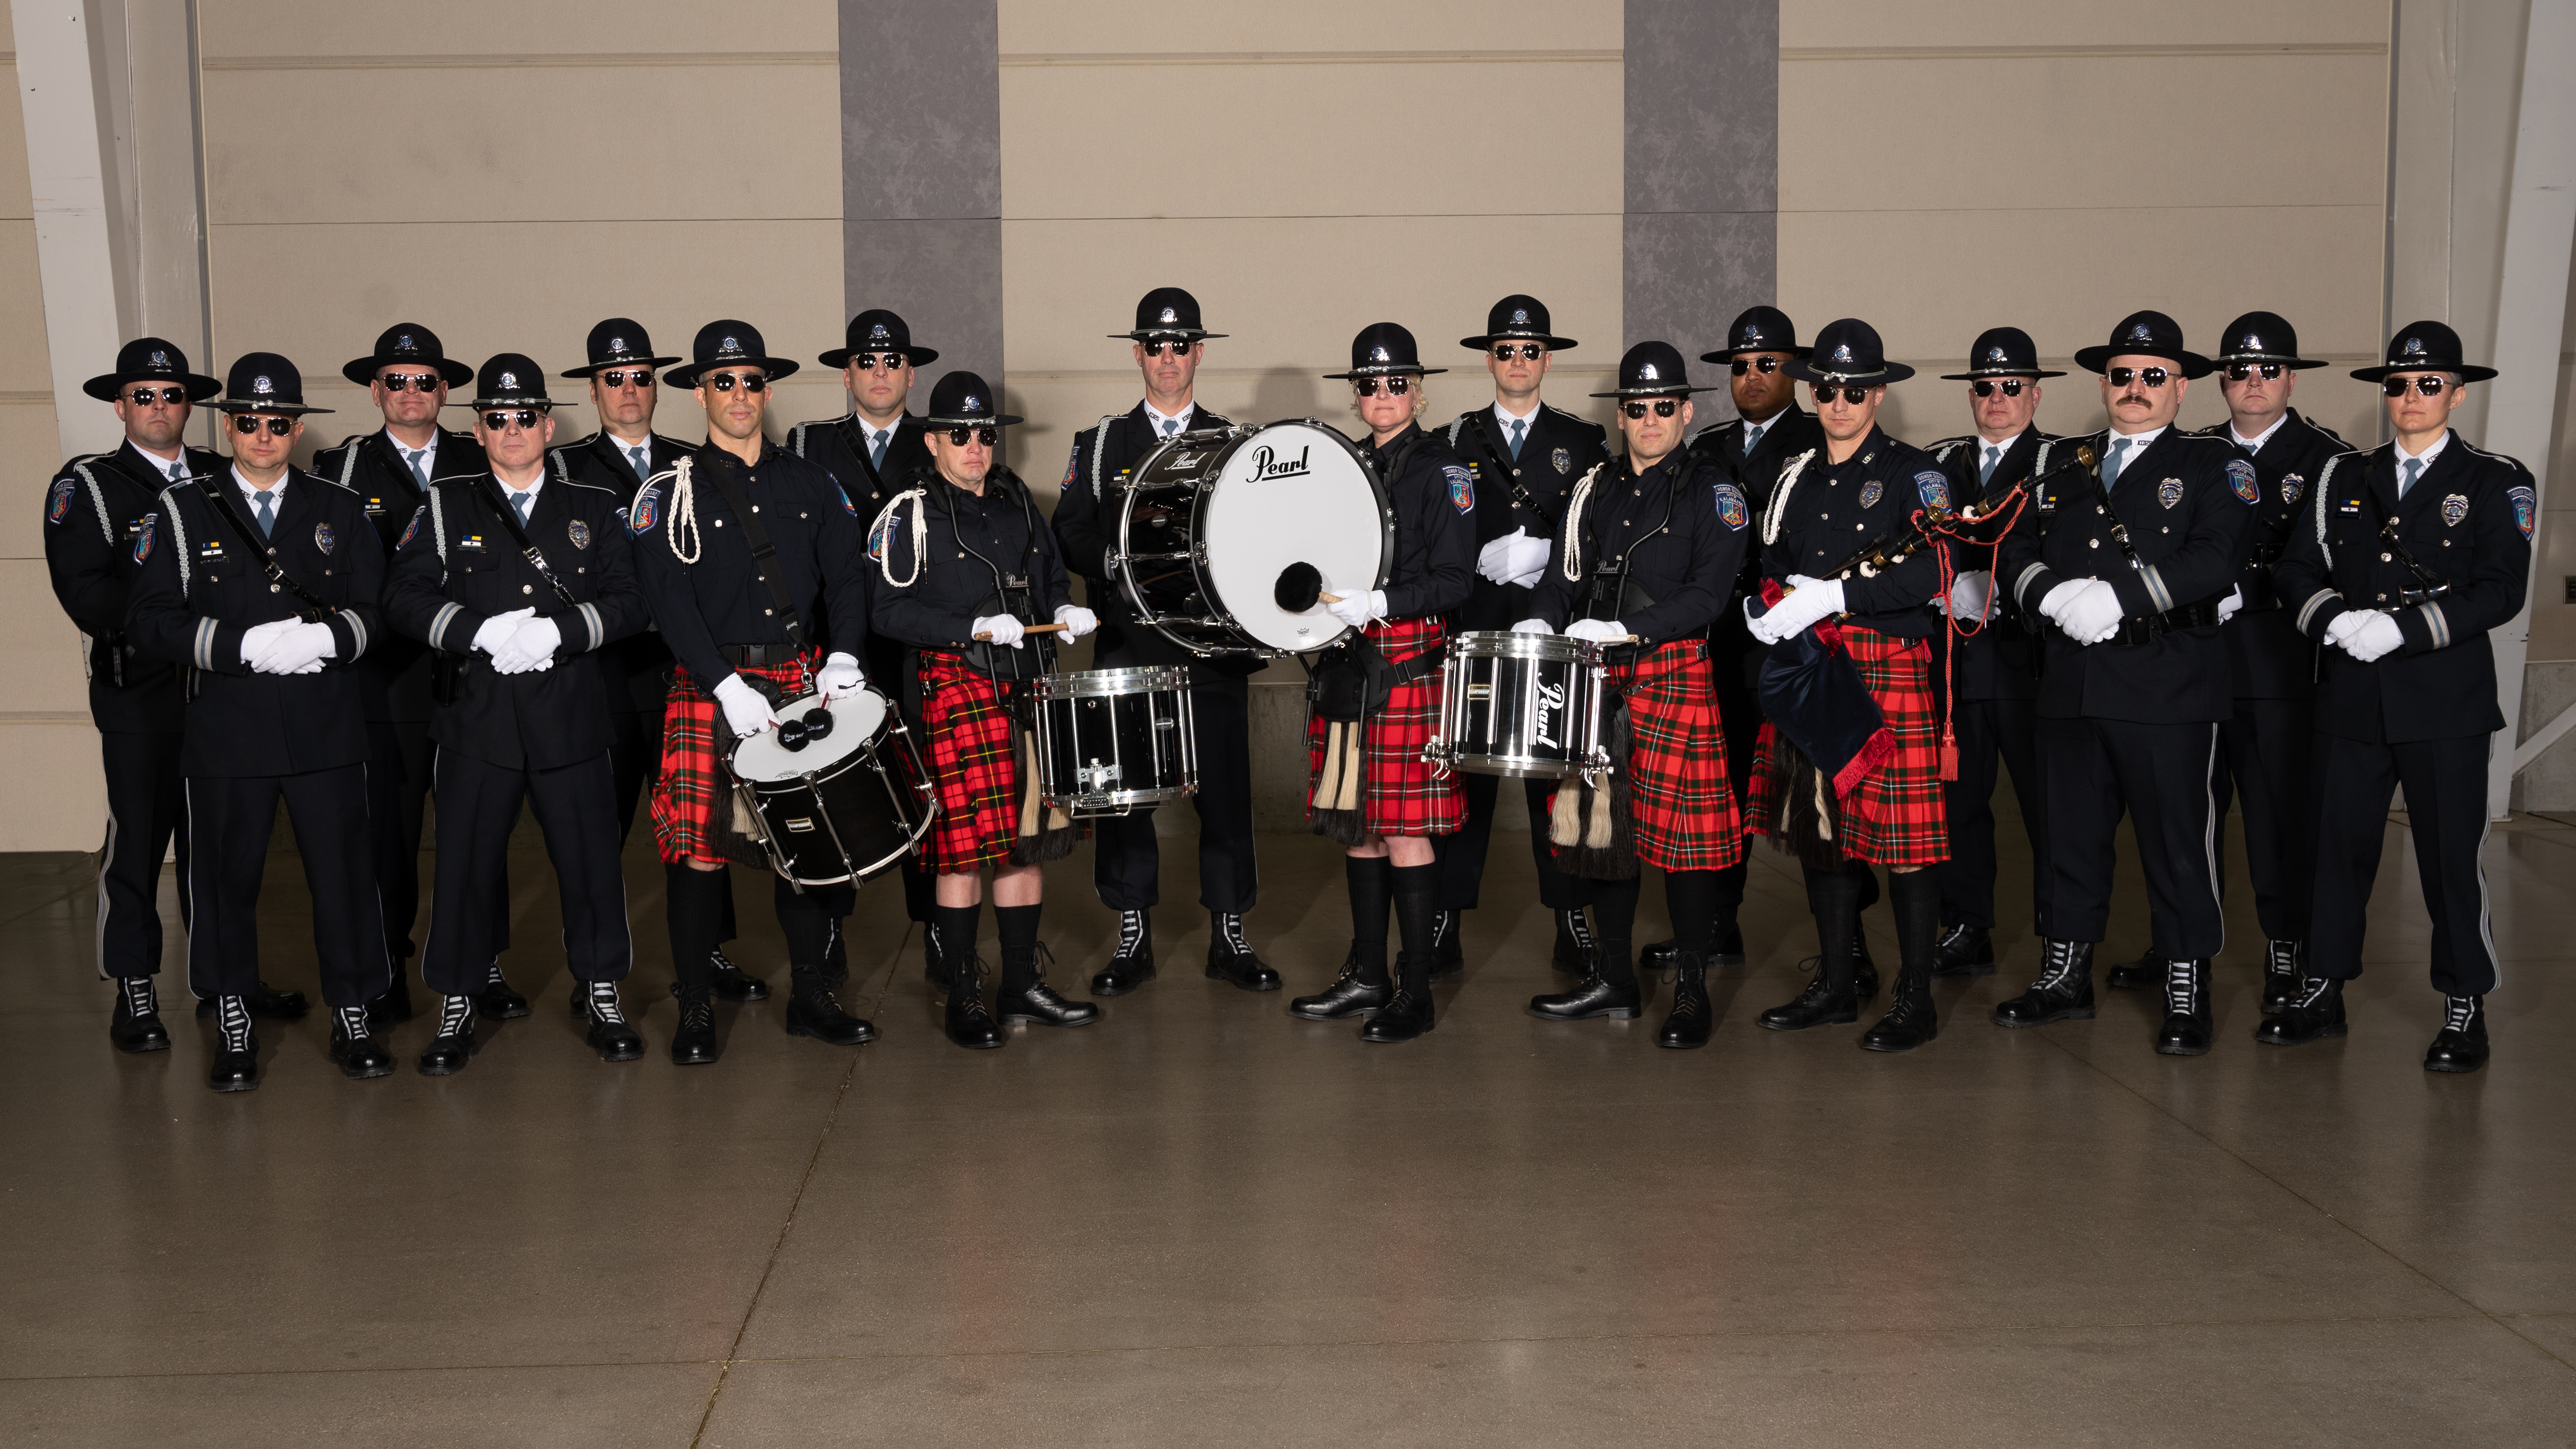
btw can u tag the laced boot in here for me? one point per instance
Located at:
(693, 1040)
(1025, 995)
(1911, 1019)
(1351, 994)
(1230, 956)
(135, 1024)
(354, 1048)
(812, 1010)
(729, 982)
(2280, 975)
(236, 1064)
(2063, 992)
(610, 1035)
(454, 1045)
(2144, 974)
(2461, 1045)
(2315, 1012)
(1132, 964)
(1407, 1013)
(1864, 970)
(1608, 989)
(1823, 1003)
(2186, 1030)
(1448, 948)
(969, 1025)
(496, 1000)
(934, 958)
(394, 1007)
(1964, 950)
(1574, 943)
(1686, 1026)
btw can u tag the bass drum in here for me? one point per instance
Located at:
(837, 793)
(1207, 523)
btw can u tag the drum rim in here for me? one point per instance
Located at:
(1520, 767)
(884, 726)
(1505, 644)
(1110, 683)
(1093, 801)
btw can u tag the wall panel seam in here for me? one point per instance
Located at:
(2081, 52)
(558, 61)
(1023, 59)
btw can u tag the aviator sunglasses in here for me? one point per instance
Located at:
(1529, 351)
(1825, 393)
(1395, 386)
(2150, 377)
(1985, 386)
(2239, 371)
(874, 361)
(641, 377)
(416, 381)
(986, 434)
(1664, 407)
(2430, 384)
(1742, 365)
(1167, 348)
(248, 423)
(498, 419)
(144, 397)
(726, 381)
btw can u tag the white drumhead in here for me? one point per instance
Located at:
(764, 758)
(1292, 493)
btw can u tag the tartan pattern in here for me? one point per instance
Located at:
(1895, 815)
(968, 726)
(1678, 797)
(1400, 794)
(693, 787)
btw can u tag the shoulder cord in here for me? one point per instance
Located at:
(1100, 451)
(684, 512)
(349, 461)
(438, 531)
(178, 533)
(1779, 509)
(796, 439)
(2325, 485)
(920, 536)
(563, 470)
(1572, 528)
(98, 500)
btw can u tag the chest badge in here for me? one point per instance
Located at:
(2169, 492)
(1563, 460)
(2455, 507)
(323, 538)
(1871, 492)
(2293, 488)
(578, 532)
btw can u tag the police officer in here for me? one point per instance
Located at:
(94, 512)
(2127, 561)
(1983, 659)
(619, 457)
(1167, 343)
(407, 375)
(262, 582)
(2406, 555)
(2264, 745)
(1525, 455)
(1827, 505)
(518, 581)
(1368, 786)
(1648, 552)
(967, 570)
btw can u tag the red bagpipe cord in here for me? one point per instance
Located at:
(1881, 742)
(1954, 526)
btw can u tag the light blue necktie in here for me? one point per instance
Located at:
(1171, 426)
(1519, 426)
(413, 457)
(519, 505)
(1753, 437)
(1986, 469)
(877, 448)
(635, 459)
(2413, 467)
(267, 511)
(2112, 465)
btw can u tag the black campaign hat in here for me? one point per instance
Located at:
(149, 359)
(617, 342)
(1758, 329)
(1383, 348)
(510, 379)
(727, 343)
(2262, 337)
(2425, 347)
(407, 342)
(877, 330)
(1652, 369)
(962, 399)
(2145, 334)
(1167, 312)
(2001, 352)
(1518, 316)
(1848, 354)
(263, 382)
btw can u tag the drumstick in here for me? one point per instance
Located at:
(987, 636)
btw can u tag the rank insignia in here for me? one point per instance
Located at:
(2169, 492)
(2293, 488)
(323, 538)
(646, 512)
(2240, 476)
(2526, 503)
(412, 527)
(1935, 488)
(1563, 460)
(1871, 492)
(143, 540)
(1462, 487)
(578, 532)
(375, 508)
(1730, 505)
(60, 506)
(472, 541)
(2455, 507)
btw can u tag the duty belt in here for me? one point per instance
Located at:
(2152, 627)
(2260, 593)
(757, 656)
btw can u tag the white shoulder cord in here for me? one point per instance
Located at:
(920, 536)
(98, 500)
(178, 533)
(1100, 450)
(2325, 485)
(684, 512)
(438, 529)
(1573, 526)
(1779, 509)
(349, 462)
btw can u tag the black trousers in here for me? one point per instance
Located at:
(146, 807)
(2351, 783)
(1461, 854)
(399, 767)
(1992, 733)
(2263, 760)
(229, 820)
(2094, 770)
(1127, 860)
(478, 807)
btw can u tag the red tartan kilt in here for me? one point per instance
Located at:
(693, 786)
(1399, 792)
(1678, 797)
(974, 775)
(1895, 816)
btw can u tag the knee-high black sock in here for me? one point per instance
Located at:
(1693, 898)
(1834, 895)
(1417, 910)
(1917, 896)
(1018, 928)
(1614, 929)
(808, 928)
(1372, 890)
(956, 932)
(1865, 876)
(695, 903)
(1726, 890)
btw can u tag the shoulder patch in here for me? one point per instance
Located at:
(151, 525)
(1730, 505)
(887, 523)
(59, 507)
(647, 510)
(1072, 469)
(2526, 509)
(847, 506)
(2240, 477)
(1935, 488)
(1462, 487)
(418, 512)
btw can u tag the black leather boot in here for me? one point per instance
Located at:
(1831, 997)
(730, 982)
(1347, 997)
(1025, 996)
(1864, 970)
(497, 1000)
(454, 1046)
(2186, 1030)
(2144, 974)
(1911, 1019)
(1132, 964)
(1686, 1026)
(1730, 944)
(2280, 975)
(2315, 1013)
(1448, 949)
(610, 1034)
(968, 1024)
(812, 1010)
(235, 1067)
(267, 1002)
(356, 1051)
(934, 960)
(1573, 942)
(1821, 1004)
(394, 1007)
(1652, 956)
(1230, 956)
(1596, 996)
(2063, 992)
(1964, 951)
(2461, 1045)
(1407, 1013)
(134, 1025)
(693, 1040)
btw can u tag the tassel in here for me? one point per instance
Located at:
(1565, 814)
(1353, 769)
(1949, 752)
(1328, 779)
(1597, 835)
(1045, 834)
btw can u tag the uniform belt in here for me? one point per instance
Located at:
(2260, 594)
(757, 656)
(2146, 630)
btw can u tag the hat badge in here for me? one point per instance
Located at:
(2253, 342)
(1520, 316)
(973, 403)
(730, 345)
(1842, 353)
(2140, 333)
(1380, 354)
(1170, 314)
(2415, 346)
(617, 344)
(160, 359)
(405, 344)
(878, 333)
(1752, 332)
(1647, 372)
(1994, 354)
(261, 384)
(509, 382)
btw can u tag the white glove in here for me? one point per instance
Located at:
(2377, 635)
(2343, 626)
(1532, 626)
(1003, 628)
(1529, 560)
(2054, 602)
(1494, 560)
(531, 646)
(1077, 620)
(1597, 631)
(496, 631)
(2228, 606)
(258, 637)
(1357, 609)
(299, 650)
(839, 676)
(1971, 594)
(1807, 601)
(746, 712)
(2093, 615)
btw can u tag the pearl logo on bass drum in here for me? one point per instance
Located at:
(1266, 463)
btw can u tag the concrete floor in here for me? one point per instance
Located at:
(1203, 1222)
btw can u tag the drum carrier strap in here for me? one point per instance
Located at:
(314, 610)
(1483, 421)
(764, 555)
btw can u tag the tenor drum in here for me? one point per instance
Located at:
(1207, 523)
(1526, 705)
(838, 792)
(1110, 740)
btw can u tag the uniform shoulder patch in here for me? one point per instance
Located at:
(1462, 487)
(1072, 468)
(847, 506)
(1730, 505)
(887, 523)
(646, 510)
(2240, 478)
(1935, 488)
(59, 507)
(2526, 509)
(412, 529)
(143, 536)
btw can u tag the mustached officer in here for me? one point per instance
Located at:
(2127, 561)
(519, 581)
(620, 456)
(1988, 668)
(94, 512)
(1167, 343)
(2408, 554)
(262, 581)
(1525, 456)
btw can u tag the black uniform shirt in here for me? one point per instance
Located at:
(1085, 528)
(94, 513)
(1833, 510)
(1528, 492)
(931, 597)
(202, 587)
(1790, 432)
(396, 676)
(2269, 657)
(720, 598)
(637, 667)
(1995, 661)
(2468, 521)
(1435, 524)
(839, 446)
(1681, 530)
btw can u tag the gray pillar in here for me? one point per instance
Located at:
(921, 174)
(1700, 238)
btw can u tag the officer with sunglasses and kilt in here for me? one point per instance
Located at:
(2127, 561)
(1983, 661)
(1648, 549)
(744, 631)
(966, 569)
(1168, 343)
(261, 582)
(1526, 456)
(520, 707)
(1368, 787)
(1829, 503)
(2407, 555)
(2264, 745)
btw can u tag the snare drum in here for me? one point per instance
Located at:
(1110, 740)
(1526, 705)
(1207, 522)
(838, 792)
